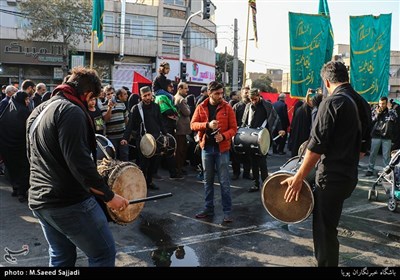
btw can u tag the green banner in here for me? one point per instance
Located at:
(97, 20)
(324, 10)
(308, 41)
(370, 55)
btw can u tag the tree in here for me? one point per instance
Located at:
(58, 20)
(264, 84)
(220, 66)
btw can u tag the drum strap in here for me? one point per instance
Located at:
(142, 115)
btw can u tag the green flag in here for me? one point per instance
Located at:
(324, 10)
(97, 20)
(308, 38)
(370, 55)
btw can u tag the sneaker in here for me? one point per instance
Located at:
(14, 193)
(200, 176)
(253, 189)
(204, 214)
(227, 219)
(369, 174)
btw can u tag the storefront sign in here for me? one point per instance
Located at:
(23, 52)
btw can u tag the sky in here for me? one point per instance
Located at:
(273, 26)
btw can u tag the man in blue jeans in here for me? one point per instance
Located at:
(215, 122)
(64, 178)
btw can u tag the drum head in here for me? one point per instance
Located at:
(272, 199)
(128, 181)
(264, 141)
(104, 148)
(148, 145)
(166, 145)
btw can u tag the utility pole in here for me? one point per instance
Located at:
(235, 57)
(226, 54)
(245, 50)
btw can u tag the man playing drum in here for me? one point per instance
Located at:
(152, 124)
(340, 135)
(64, 177)
(259, 114)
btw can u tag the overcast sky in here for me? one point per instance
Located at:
(273, 30)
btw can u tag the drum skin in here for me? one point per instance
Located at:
(127, 180)
(148, 145)
(272, 198)
(251, 140)
(107, 146)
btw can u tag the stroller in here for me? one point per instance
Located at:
(390, 180)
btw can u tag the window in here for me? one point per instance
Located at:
(171, 37)
(174, 13)
(202, 39)
(170, 49)
(109, 25)
(175, 2)
(140, 26)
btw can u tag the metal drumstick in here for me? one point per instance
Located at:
(154, 197)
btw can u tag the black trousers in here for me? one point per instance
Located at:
(326, 214)
(18, 167)
(259, 164)
(238, 159)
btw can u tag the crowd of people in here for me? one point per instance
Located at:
(56, 165)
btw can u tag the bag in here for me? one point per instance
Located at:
(381, 128)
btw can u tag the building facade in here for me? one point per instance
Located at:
(150, 34)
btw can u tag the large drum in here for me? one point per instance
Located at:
(293, 164)
(105, 149)
(272, 198)
(163, 145)
(127, 180)
(251, 140)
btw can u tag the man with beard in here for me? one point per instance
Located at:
(145, 118)
(216, 124)
(64, 177)
(340, 135)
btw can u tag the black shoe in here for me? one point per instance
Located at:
(369, 174)
(235, 177)
(204, 214)
(253, 189)
(248, 177)
(14, 193)
(176, 177)
(152, 187)
(22, 198)
(183, 172)
(282, 153)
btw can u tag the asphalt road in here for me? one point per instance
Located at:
(167, 234)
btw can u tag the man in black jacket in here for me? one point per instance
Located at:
(339, 137)
(64, 177)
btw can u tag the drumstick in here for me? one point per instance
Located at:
(276, 138)
(154, 197)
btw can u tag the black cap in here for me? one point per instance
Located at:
(203, 89)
